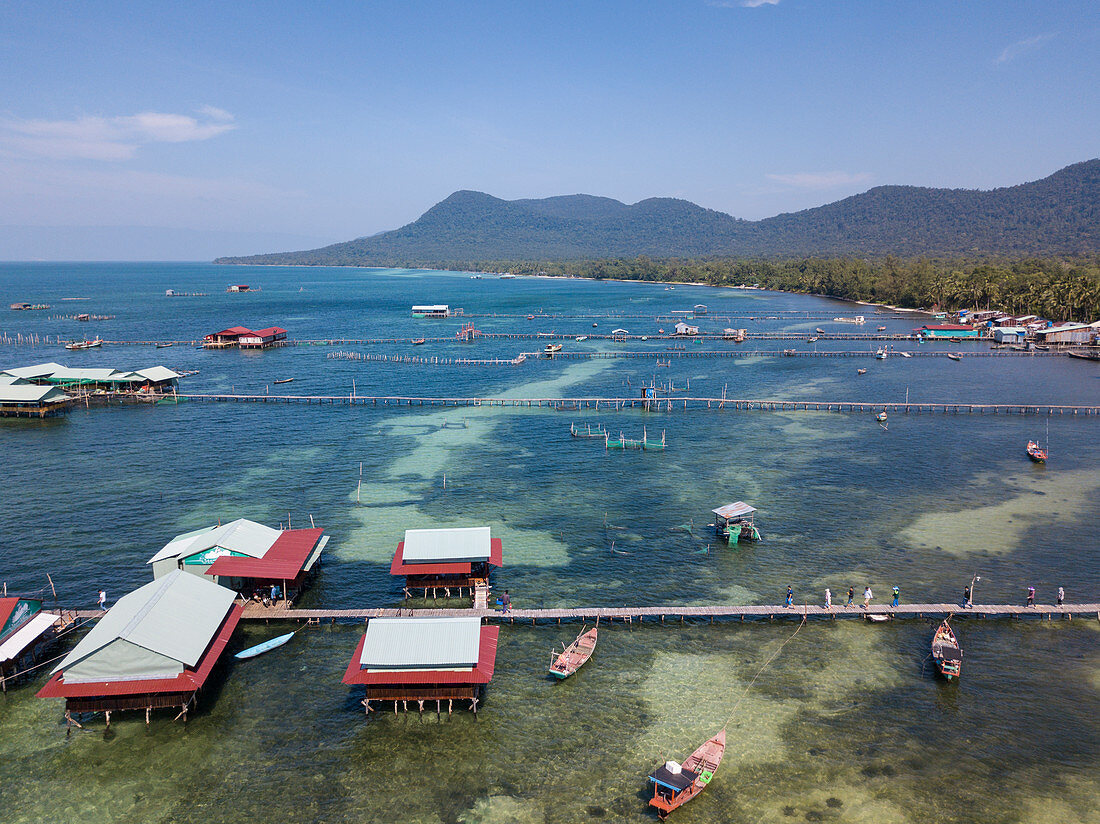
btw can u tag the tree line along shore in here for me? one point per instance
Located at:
(1058, 288)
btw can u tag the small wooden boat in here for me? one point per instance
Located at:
(905, 354)
(946, 652)
(552, 348)
(875, 618)
(953, 356)
(77, 345)
(1036, 453)
(162, 345)
(813, 339)
(418, 342)
(266, 646)
(284, 380)
(881, 416)
(582, 338)
(861, 371)
(882, 329)
(530, 317)
(676, 784)
(820, 331)
(881, 354)
(574, 656)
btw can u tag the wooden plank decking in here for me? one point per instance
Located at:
(673, 613)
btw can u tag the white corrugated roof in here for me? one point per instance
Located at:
(30, 393)
(426, 546)
(26, 635)
(243, 536)
(734, 510)
(68, 373)
(421, 643)
(158, 373)
(40, 370)
(176, 615)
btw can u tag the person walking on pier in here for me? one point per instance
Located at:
(790, 596)
(828, 598)
(851, 596)
(897, 594)
(505, 602)
(867, 596)
(966, 597)
(1031, 596)
(1061, 595)
(103, 600)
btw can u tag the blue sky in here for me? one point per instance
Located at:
(262, 126)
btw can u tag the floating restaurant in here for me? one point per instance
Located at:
(245, 557)
(93, 379)
(22, 626)
(947, 331)
(245, 338)
(424, 659)
(457, 558)
(154, 649)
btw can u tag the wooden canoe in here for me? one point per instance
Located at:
(266, 646)
(946, 652)
(573, 657)
(674, 789)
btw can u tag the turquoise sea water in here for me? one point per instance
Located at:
(847, 725)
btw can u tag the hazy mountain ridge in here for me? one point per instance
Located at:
(1058, 215)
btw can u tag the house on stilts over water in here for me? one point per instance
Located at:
(246, 557)
(154, 649)
(424, 659)
(448, 559)
(23, 628)
(734, 522)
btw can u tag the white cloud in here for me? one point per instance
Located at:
(109, 138)
(820, 180)
(755, 4)
(1023, 47)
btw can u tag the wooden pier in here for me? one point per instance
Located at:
(690, 404)
(670, 613)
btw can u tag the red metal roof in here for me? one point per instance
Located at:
(271, 330)
(186, 681)
(233, 330)
(481, 674)
(283, 561)
(399, 567)
(7, 607)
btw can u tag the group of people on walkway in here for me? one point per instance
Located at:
(868, 595)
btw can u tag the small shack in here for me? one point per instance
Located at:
(263, 338)
(435, 310)
(1067, 333)
(448, 559)
(154, 649)
(22, 627)
(735, 521)
(245, 557)
(424, 659)
(699, 309)
(685, 329)
(1010, 334)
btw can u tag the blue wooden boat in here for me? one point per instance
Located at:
(266, 646)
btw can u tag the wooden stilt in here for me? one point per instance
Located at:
(148, 712)
(108, 715)
(420, 702)
(450, 706)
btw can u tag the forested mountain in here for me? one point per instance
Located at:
(1058, 215)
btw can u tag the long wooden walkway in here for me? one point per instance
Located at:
(659, 405)
(667, 614)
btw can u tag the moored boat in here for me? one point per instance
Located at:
(1036, 452)
(84, 344)
(266, 646)
(418, 342)
(574, 656)
(861, 371)
(552, 348)
(284, 380)
(162, 345)
(676, 784)
(881, 416)
(953, 356)
(946, 652)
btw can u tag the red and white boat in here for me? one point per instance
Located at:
(1036, 453)
(676, 784)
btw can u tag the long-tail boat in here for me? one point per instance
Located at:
(676, 784)
(574, 656)
(946, 652)
(1036, 452)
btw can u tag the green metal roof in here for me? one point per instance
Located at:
(421, 643)
(174, 617)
